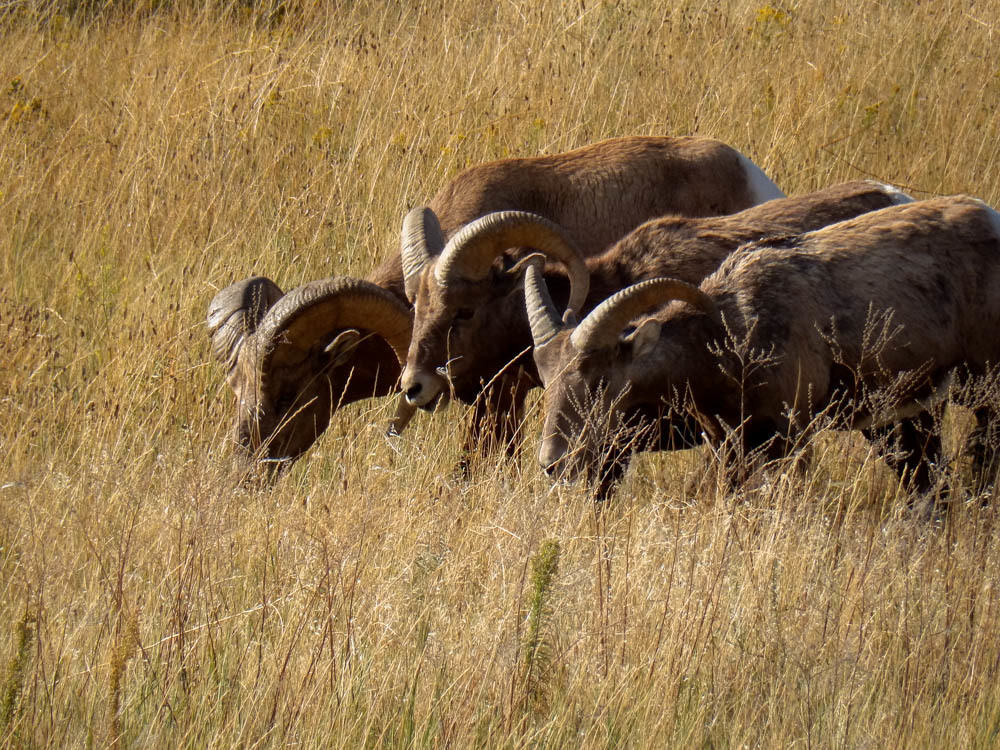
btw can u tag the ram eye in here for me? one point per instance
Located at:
(464, 313)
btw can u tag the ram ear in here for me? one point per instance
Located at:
(519, 266)
(341, 349)
(645, 337)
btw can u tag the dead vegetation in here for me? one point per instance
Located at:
(153, 155)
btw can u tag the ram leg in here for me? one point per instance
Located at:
(984, 445)
(608, 476)
(497, 418)
(911, 447)
(757, 445)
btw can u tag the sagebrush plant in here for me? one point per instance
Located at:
(153, 153)
(537, 646)
(16, 673)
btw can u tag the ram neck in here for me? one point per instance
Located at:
(684, 249)
(688, 367)
(375, 372)
(389, 275)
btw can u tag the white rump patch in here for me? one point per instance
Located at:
(897, 196)
(762, 188)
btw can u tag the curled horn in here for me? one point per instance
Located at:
(600, 329)
(236, 312)
(542, 314)
(421, 239)
(307, 316)
(471, 251)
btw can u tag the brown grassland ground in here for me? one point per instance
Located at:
(150, 156)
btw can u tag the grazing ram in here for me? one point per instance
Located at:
(475, 330)
(598, 193)
(293, 359)
(888, 304)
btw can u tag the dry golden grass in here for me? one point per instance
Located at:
(371, 598)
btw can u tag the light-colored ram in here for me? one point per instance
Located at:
(592, 197)
(891, 303)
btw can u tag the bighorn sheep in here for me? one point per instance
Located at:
(479, 328)
(593, 196)
(293, 359)
(889, 303)
(598, 192)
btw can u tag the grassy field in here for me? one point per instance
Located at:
(152, 154)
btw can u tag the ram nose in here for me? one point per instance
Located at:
(552, 457)
(420, 386)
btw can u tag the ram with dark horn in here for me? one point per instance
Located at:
(867, 319)
(470, 321)
(598, 193)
